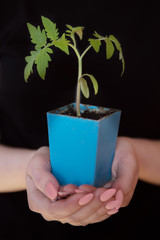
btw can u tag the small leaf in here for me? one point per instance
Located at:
(29, 66)
(116, 42)
(74, 30)
(38, 37)
(109, 48)
(62, 43)
(97, 35)
(79, 32)
(118, 46)
(96, 43)
(123, 62)
(84, 87)
(50, 27)
(42, 60)
(94, 82)
(69, 26)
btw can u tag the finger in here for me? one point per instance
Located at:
(68, 188)
(126, 182)
(37, 201)
(39, 171)
(87, 188)
(65, 207)
(115, 204)
(89, 211)
(58, 210)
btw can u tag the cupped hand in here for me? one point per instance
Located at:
(85, 204)
(68, 204)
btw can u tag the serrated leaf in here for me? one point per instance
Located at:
(96, 43)
(42, 60)
(38, 37)
(94, 82)
(84, 87)
(118, 46)
(50, 28)
(109, 48)
(29, 66)
(62, 43)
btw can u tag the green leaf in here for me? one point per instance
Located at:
(84, 87)
(29, 66)
(62, 43)
(42, 60)
(116, 42)
(97, 35)
(38, 37)
(118, 46)
(75, 30)
(109, 48)
(94, 82)
(96, 43)
(50, 28)
(123, 62)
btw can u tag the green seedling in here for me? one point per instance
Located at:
(49, 37)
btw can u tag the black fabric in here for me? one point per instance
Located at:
(23, 106)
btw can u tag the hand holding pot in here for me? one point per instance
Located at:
(82, 207)
(125, 169)
(86, 204)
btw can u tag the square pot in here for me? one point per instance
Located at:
(82, 150)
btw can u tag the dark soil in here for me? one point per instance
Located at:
(89, 114)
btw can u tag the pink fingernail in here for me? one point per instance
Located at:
(113, 211)
(107, 194)
(119, 196)
(112, 204)
(117, 202)
(86, 199)
(51, 191)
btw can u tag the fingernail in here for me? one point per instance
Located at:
(112, 204)
(107, 194)
(113, 211)
(51, 191)
(119, 196)
(64, 194)
(86, 199)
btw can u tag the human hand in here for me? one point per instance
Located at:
(120, 189)
(43, 190)
(85, 204)
(82, 205)
(125, 171)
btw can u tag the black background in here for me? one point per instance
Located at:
(23, 106)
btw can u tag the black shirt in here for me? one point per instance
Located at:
(23, 106)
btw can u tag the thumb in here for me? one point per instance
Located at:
(39, 170)
(126, 181)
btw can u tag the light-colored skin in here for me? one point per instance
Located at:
(22, 169)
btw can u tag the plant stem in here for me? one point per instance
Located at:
(78, 91)
(85, 51)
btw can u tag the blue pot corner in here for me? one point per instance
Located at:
(82, 150)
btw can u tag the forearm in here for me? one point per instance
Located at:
(13, 164)
(148, 157)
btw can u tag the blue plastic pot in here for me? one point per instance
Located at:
(82, 150)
